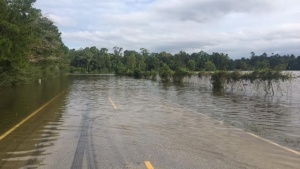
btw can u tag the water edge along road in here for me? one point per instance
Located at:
(113, 123)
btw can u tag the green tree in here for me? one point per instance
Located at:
(144, 52)
(152, 62)
(166, 73)
(209, 66)
(130, 59)
(49, 52)
(29, 42)
(262, 65)
(192, 65)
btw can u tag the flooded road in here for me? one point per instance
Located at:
(115, 122)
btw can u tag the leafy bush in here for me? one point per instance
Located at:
(165, 73)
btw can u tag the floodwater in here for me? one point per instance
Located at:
(117, 109)
(18, 102)
(273, 117)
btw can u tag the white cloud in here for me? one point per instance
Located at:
(62, 20)
(234, 27)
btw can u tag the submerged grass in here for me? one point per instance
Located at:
(295, 142)
(265, 79)
(256, 129)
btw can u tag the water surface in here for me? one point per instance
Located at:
(146, 108)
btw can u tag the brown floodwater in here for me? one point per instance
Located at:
(85, 98)
(19, 101)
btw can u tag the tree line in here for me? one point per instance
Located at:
(94, 60)
(30, 44)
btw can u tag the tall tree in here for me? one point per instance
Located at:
(17, 35)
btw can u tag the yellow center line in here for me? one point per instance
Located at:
(112, 103)
(148, 165)
(27, 118)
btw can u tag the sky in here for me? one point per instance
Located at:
(235, 27)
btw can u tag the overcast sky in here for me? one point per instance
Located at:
(236, 27)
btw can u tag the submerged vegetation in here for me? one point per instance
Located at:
(175, 67)
(262, 79)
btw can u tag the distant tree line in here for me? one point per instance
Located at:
(30, 44)
(94, 60)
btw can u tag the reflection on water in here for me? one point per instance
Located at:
(18, 102)
(25, 147)
(274, 117)
(85, 103)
